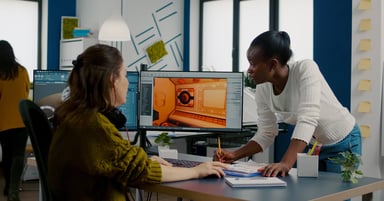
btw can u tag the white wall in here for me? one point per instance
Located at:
(148, 21)
(373, 162)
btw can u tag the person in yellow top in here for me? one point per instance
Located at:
(88, 157)
(14, 86)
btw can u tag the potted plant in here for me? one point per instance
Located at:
(163, 140)
(248, 82)
(349, 163)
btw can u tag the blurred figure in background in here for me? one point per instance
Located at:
(14, 86)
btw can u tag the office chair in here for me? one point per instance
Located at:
(39, 131)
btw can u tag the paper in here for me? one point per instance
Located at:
(365, 44)
(257, 181)
(365, 130)
(364, 107)
(365, 25)
(364, 64)
(365, 4)
(364, 85)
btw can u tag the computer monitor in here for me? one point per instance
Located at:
(130, 108)
(48, 82)
(191, 101)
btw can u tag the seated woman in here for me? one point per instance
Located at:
(88, 158)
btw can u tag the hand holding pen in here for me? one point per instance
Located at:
(223, 155)
(219, 151)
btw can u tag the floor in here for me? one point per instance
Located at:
(30, 192)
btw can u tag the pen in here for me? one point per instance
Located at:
(310, 152)
(318, 147)
(218, 145)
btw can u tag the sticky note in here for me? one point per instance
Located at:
(364, 107)
(364, 85)
(365, 44)
(365, 130)
(364, 64)
(365, 4)
(156, 51)
(365, 25)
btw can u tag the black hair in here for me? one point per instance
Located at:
(8, 63)
(274, 44)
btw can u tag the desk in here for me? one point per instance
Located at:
(196, 143)
(327, 187)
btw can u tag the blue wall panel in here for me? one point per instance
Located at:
(56, 9)
(332, 45)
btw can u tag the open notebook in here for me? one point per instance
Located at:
(240, 169)
(248, 169)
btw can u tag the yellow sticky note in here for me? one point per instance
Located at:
(364, 85)
(365, 130)
(365, 25)
(156, 51)
(364, 107)
(364, 64)
(365, 4)
(365, 44)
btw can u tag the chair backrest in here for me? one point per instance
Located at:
(39, 131)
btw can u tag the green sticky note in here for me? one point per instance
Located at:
(156, 51)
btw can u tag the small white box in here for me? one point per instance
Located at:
(168, 153)
(30, 171)
(307, 165)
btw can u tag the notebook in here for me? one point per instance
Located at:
(257, 181)
(248, 169)
(244, 169)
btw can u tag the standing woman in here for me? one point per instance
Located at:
(300, 95)
(14, 86)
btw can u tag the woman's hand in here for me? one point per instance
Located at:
(210, 168)
(160, 160)
(224, 156)
(275, 169)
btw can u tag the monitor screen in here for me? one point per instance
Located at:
(48, 82)
(191, 101)
(130, 108)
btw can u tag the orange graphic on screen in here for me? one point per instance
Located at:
(185, 97)
(190, 102)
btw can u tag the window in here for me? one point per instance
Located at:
(227, 28)
(254, 19)
(19, 26)
(217, 35)
(299, 26)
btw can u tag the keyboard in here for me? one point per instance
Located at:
(182, 163)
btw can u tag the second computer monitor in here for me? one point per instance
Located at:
(191, 101)
(47, 84)
(50, 82)
(130, 108)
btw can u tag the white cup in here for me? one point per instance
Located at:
(307, 165)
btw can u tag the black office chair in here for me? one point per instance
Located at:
(39, 131)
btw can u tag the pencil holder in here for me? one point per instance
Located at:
(307, 165)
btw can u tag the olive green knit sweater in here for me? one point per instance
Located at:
(89, 160)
